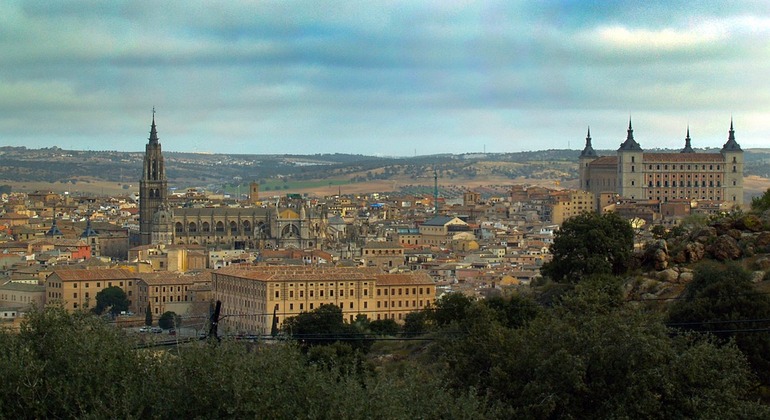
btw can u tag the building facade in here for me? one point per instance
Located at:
(254, 298)
(250, 226)
(638, 175)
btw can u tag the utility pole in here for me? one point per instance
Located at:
(215, 321)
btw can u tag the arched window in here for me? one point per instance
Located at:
(233, 228)
(246, 226)
(205, 227)
(220, 227)
(178, 227)
(192, 227)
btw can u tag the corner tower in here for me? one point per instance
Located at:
(630, 167)
(153, 186)
(733, 175)
(587, 156)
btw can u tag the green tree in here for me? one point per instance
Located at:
(388, 327)
(761, 203)
(415, 323)
(113, 298)
(169, 320)
(451, 307)
(586, 359)
(148, 316)
(721, 300)
(324, 325)
(590, 244)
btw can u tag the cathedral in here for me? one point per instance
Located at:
(246, 226)
(638, 175)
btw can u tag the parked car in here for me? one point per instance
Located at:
(172, 332)
(156, 330)
(144, 329)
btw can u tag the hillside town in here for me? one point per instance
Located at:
(181, 251)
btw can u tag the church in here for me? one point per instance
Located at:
(246, 226)
(638, 175)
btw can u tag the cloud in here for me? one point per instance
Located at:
(296, 76)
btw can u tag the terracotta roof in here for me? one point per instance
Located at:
(94, 274)
(605, 160)
(282, 273)
(414, 278)
(165, 278)
(683, 157)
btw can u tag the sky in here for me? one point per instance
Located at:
(386, 78)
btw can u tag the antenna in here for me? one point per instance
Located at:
(435, 189)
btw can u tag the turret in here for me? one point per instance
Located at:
(587, 156)
(630, 161)
(733, 155)
(687, 146)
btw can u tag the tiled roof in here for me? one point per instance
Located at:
(605, 160)
(94, 274)
(414, 278)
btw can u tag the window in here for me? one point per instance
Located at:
(351, 306)
(291, 293)
(276, 294)
(74, 295)
(291, 306)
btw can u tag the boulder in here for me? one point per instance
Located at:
(763, 263)
(704, 234)
(694, 252)
(762, 240)
(725, 248)
(669, 275)
(685, 277)
(757, 276)
(734, 233)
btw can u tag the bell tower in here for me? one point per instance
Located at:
(153, 186)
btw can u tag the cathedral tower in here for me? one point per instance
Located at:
(630, 167)
(153, 187)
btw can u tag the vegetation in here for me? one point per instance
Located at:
(591, 354)
(762, 203)
(721, 300)
(590, 244)
(169, 320)
(112, 298)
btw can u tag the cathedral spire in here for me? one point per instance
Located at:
(588, 151)
(687, 145)
(630, 143)
(153, 131)
(731, 144)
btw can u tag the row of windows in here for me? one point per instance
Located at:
(171, 299)
(682, 184)
(681, 176)
(689, 167)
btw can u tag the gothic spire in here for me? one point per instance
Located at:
(588, 151)
(731, 144)
(630, 143)
(153, 131)
(687, 146)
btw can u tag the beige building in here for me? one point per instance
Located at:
(570, 203)
(384, 255)
(76, 289)
(255, 297)
(441, 230)
(21, 295)
(638, 175)
(167, 291)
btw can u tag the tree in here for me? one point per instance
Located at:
(590, 244)
(761, 203)
(415, 323)
(451, 307)
(384, 327)
(113, 298)
(169, 320)
(587, 359)
(721, 300)
(148, 316)
(324, 325)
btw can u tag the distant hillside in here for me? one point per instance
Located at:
(218, 172)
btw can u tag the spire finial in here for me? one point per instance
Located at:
(687, 145)
(153, 131)
(588, 151)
